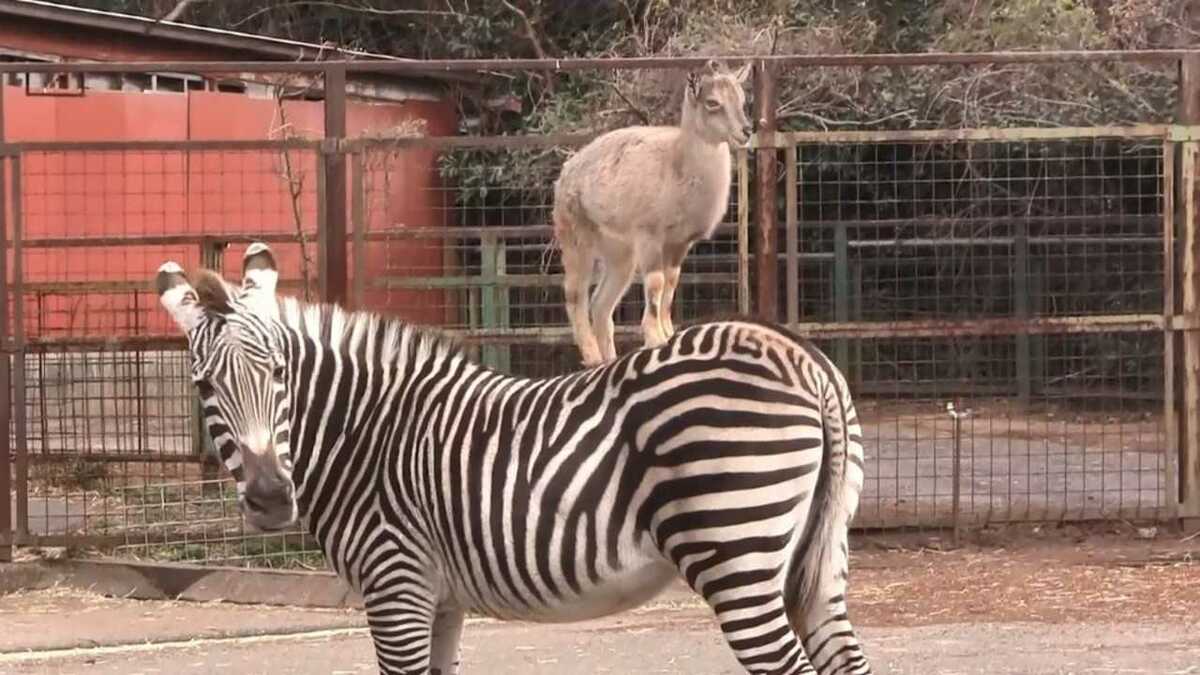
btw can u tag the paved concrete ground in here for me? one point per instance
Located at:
(664, 640)
(1113, 605)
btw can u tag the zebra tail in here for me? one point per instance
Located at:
(813, 560)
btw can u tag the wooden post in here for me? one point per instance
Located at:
(1189, 436)
(766, 176)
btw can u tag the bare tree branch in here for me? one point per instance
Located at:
(530, 32)
(642, 115)
(177, 11)
(362, 9)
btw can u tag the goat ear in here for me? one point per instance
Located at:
(177, 296)
(260, 276)
(692, 90)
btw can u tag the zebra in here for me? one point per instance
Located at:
(730, 457)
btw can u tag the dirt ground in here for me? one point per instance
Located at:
(1038, 600)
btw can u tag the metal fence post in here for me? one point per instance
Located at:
(18, 366)
(358, 220)
(1171, 153)
(1020, 290)
(1189, 436)
(743, 231)
(211, 257)
(6, 493)
(332, 237)
(766, 262)
(791, 222)
(494, 299)
(841, 290)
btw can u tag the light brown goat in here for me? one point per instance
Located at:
(636, 199)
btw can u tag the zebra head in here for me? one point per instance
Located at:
(239, 370)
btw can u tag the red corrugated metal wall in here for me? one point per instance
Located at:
(78, 194)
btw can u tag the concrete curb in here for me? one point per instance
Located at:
(20, 576)
(183, 582)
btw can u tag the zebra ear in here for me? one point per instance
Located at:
(177, 296)
(260, 276)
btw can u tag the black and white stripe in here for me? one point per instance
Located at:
(731, 457)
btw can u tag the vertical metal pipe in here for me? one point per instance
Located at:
(332, 237)
(743, 232)
(1021, 311)
(765, 250)
(1189, 436)
(18, 377)
(6, 487)
(792, 236)
(1170, 155)
(841, 290)
(358, 221)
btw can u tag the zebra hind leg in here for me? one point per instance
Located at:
(447, 633)
(754, 620)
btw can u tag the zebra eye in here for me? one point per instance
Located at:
(277, 373)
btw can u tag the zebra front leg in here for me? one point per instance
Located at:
(401, 623)
(447, 633)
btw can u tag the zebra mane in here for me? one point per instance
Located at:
(340, 329)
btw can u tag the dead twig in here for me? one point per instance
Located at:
(176, 12)
(641, 114)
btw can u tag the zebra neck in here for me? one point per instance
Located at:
(357, 381)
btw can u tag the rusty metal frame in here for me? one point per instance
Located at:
(765, 184)
(1170, 404)
(435, 66)
(1186, 366)
(6, 482)
(1179, 323)
(743, 230)
(18, 401)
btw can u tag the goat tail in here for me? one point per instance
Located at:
(822, 551)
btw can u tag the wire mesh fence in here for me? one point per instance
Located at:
(198, 522)
(482, 262)
(998, 299)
